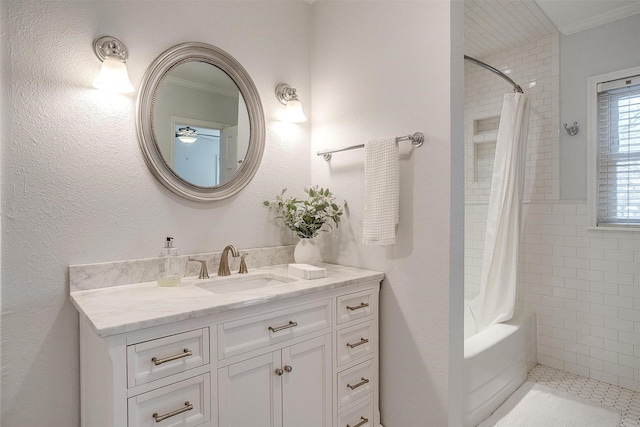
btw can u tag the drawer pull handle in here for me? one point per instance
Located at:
(357, 307)
(187, 407)
(362, 341)
(291, 324)
(185, 353)
(361, 423)
(288, 368)
(360, 384)
(279, 372)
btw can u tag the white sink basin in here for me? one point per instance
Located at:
(242, 283)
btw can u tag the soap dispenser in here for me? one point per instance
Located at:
(169, 267)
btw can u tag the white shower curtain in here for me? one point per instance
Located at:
(496, 300)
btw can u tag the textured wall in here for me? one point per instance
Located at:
(75, 188)
(369, 81)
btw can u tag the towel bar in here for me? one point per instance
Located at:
(417, 139)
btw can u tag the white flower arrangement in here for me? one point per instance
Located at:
(306, 217)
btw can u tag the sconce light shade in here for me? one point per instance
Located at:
(288, 96)
(113, 75)
(293, 112)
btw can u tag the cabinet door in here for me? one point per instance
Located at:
(250, 393)
(306, 389)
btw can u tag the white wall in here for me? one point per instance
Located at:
(75, 188)
(610, 47)
(384, 69)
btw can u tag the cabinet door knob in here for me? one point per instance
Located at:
(288, 368)
(279, 372)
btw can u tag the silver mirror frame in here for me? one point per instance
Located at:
(202, 52)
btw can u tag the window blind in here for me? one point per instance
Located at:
(618, 180)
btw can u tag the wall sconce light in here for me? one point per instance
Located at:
(113, 75)
(293, 110)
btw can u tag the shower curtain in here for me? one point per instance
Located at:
(496, 300)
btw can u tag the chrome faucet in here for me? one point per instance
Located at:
(223, 269)
(204, 274)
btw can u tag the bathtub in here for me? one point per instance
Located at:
(496, 362)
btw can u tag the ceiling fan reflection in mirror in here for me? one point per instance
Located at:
(189, 135)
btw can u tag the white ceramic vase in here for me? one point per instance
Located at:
(307, 252)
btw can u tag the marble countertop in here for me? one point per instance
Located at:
(121, 309)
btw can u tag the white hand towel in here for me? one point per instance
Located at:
(382, 192)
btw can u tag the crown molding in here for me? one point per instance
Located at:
(601, 19)
(200, 86)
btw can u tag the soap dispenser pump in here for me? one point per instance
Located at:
(169, 267)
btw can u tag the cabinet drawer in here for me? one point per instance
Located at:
(359, 416)
(152, 360)
(354, 306)
(355, 383)
(354, 342)
(186, 403)
(247, 334)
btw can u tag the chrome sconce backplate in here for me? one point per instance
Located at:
(285, 93)
(110, 47)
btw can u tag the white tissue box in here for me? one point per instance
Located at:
(307, 271)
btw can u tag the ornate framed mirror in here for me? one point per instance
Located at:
(200, 122)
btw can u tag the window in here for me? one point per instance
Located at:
(616, 138)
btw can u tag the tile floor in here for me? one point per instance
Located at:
(626, 401)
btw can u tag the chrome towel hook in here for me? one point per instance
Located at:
(572, 130)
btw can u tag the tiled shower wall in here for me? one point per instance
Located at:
(535, 67)
(583, 284)
(585, 287)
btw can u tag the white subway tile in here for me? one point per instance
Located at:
(621, 325)
(563, 355)
(605, 333)
(630, 384)
(590, 253)
(596, 374)
(618, 301)
(576, 369)
(601, 265)
(622, 349)
(551, 361)
(577, 348)
(590, 340)
(604, 310)
(589, 362)
(579, 327)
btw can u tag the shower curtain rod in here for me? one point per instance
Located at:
(516, 86)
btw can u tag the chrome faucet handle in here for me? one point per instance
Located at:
(204, 274)
(243, 263)
(223, 268)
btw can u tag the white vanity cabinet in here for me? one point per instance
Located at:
(288, 387)
(308, 360)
